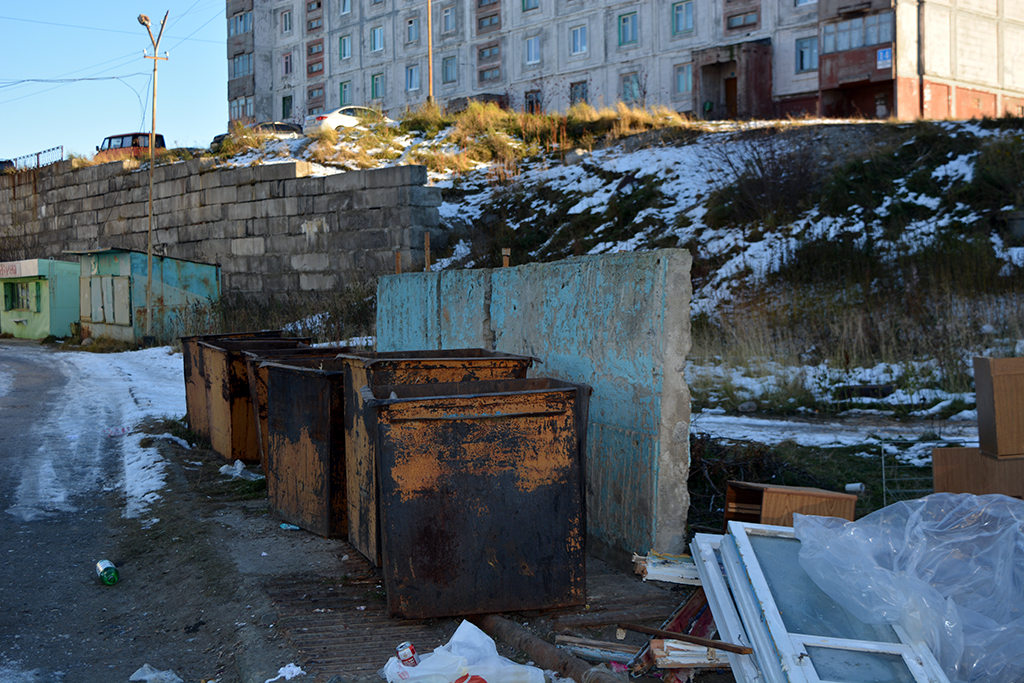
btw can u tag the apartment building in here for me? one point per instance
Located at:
(711, 58)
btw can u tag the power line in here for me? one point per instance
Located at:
(8, 84)
(106, 30)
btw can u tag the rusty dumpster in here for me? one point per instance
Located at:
(257, 377)
(306, 444)
(401, 367)
(195, 383)
(482, 497)
(229, 407)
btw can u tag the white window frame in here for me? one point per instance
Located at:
(629, 29)
(412, 77)
(345, 47)
(345, 93)
(376, 38)
(813, 54)
(688, 70)
(346, 6)
(447, 19)
(531, 48)
(802, 3)
(412, 30)
(286, 21)
(787, 650)
(578, 40)
(684, 9)
(530, 5)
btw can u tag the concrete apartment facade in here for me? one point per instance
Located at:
(709, 58)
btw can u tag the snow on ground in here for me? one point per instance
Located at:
(95, 412)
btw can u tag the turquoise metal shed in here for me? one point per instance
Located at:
(113, 293)
(40, 298)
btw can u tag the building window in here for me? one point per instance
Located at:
(345, 47)
(533, 50)
(239, 24)
(286, 64)
(530, 4)
(286, 107)
(376, 86)
(241, 108)
(631, 88)
(741, 20)
(682, 17)
(579, 40)
(314, 49)
(684, 79)
(241, 65)
(286, 22)
(851, 34)
(577, 93)
(346, 93)
(485, 3)
(489, 22)
(314, 68)
(18, 297)
(488, 53)
(412, 77)
(346, 6)
(315, 25)
(801, 3)
(532, 102)
(806, 54)
(316, 93)
(628, 29)
(447, 19)
(377, 2)
(412, 30)
(315, 110)
(313, 6)
(492, 74)
(449, 70)
(376, 39)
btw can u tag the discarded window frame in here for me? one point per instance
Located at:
(799, 634)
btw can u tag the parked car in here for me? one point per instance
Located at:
(127, 145)
(345, 117)
(278, 130)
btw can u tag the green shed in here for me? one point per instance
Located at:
(40, 298)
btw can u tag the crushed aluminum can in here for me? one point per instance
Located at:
(407, 654)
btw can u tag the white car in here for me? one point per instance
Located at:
(345, 117)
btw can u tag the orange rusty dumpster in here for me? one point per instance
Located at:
(306, 444)
(195, 383)
(229, 407)
(401, 367)
(257, 377)
(482, 499)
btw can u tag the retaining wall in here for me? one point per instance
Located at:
(273, 228)
(620, 323)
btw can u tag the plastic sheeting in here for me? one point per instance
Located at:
(948, 569)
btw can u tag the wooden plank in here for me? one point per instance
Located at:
(672, 654)
(686, 638)
(597, 644)
(642, 613)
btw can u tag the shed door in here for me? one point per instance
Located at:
(84, 300)
(122, 301)
(107, 285)
(96, 299)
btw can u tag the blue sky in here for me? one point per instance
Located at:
(73, 73)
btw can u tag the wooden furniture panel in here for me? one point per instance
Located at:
(999, 388)
(969, 470)
(774, 504)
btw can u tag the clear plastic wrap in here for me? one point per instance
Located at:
(948, 569)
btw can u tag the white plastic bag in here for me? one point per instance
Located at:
(470, 652)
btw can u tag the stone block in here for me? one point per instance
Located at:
(87, 232)
(345, 182)
(396, 176)
(282, 171)
(310, 262)
(285, 244)
(248, 246)
(246, 193)
(425, 196)
(281, 282)
(237, 176)
(241, 211)
(226, 194)
(305, 187)
(268, 190)
(241, 282)
(317, 282)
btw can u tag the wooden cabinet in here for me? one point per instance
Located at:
(999, 388)
(773, 504)
(969, 470)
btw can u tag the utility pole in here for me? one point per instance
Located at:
(144, 20)
(430, 53)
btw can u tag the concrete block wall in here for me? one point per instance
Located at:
(273, 228)
(620, 323)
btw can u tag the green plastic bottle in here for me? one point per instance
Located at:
(107, 572)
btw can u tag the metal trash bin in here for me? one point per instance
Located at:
(257, 377)
(401, 367)
(306, 447)
(229, 407)
(482, 497)
(195, 383)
